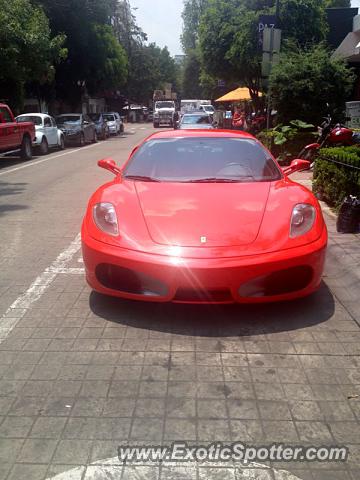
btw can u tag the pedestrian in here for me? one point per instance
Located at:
(239, 120)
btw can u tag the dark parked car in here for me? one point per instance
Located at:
(102, 128)
(78, 128)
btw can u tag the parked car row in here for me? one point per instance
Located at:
(42, 132)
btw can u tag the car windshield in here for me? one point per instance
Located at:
(164, 105)
(30, 118)
(68, 119)
(95, 117)
(195, 119)
(208, 108)
(202, 159)
(109, 118)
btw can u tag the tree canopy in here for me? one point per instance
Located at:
(28, 50)
(305, 81)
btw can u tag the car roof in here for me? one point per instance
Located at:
(69, 115)
(195, 112)
(216, 133)
(35, 114)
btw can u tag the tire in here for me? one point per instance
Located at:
(62, 143)
(81, 140)
(44, 146)
(122, 128)
(26, 148)
(95, 139)
(156, 125)
(104, 136)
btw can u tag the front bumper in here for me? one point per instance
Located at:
(113, 128)
(249, 279)
(72, 137)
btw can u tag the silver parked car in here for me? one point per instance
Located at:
(114, 122)
(48, 135)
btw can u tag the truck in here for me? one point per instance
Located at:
(165, 111)
(187, 106)
(15, 136)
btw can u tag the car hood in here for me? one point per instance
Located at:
(69, 126)
(203, 214)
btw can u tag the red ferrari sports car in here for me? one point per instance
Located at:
(203, 217)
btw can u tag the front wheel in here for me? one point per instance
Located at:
(26, 148)
(62, 143)
(44, 147)
(95, 139)
(81, 140)
(156, 125)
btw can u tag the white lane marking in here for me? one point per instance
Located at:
(111, 468)
(68, 271)
(37, 162)
(21, 305)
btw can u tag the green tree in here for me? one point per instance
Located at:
(191, 15)
(229, 43)
(303, 21)
(28, 51)
(96, 58)
(150, 68)
(305, 81)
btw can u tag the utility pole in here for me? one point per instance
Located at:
(275, 37)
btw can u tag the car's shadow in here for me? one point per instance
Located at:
(217, 320)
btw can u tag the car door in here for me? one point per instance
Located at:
(53, 133)
(47, 130)
(10, 130)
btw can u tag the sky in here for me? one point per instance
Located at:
(161, 21)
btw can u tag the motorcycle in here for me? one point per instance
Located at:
(330, 136)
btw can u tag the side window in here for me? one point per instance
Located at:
(47, 122)
(53, 123)
(5, 115)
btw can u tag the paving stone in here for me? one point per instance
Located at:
(16, 427)
(48, 427)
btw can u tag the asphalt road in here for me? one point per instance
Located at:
(81, 374)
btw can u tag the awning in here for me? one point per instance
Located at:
(236, 95)
(349, 48)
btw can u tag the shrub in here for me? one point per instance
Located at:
(286, 141)
(337, 174)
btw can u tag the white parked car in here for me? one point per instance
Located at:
(48, 135)
(114, 122)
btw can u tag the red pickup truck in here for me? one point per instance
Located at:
(15, 136)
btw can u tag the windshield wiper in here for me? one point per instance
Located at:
(141, 178)
(221, 180)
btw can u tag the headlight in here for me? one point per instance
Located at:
(302, 219)
(104, 215)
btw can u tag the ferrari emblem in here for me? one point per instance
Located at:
(203, 239)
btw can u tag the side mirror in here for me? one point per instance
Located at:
(296, 165)
(109, 164)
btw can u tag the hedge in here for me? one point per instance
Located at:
(337, 174)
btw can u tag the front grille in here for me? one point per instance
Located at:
(278, 283)
(205, 296)
(128, 281)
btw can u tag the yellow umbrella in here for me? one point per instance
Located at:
(236, 95)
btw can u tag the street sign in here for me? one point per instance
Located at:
(266, 21)
(271, 50)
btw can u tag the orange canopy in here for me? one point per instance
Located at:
(236, 95)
